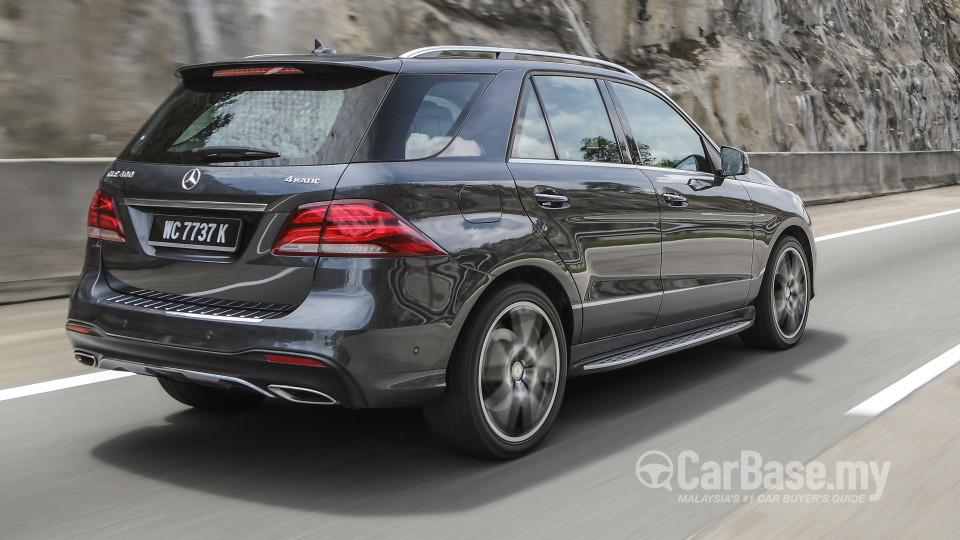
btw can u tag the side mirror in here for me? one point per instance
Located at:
(734, 162)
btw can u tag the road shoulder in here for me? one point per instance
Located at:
(918, 436)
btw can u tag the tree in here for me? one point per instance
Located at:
(599, 149)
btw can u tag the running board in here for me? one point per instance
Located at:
(667, 346)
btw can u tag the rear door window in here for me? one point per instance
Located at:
(577, 118)
(308, 121)
(661, 137)
(530, 137)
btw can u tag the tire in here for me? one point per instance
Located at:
(209, 398)
(506, 378)
(783, 303)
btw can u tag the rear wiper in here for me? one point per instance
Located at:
(211, 154)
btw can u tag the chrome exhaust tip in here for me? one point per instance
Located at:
(302, 395)
(85, 358)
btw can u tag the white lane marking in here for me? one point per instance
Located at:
(885, 225)
(885, 399)
(60, 384)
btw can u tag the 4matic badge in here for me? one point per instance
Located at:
(302, 180)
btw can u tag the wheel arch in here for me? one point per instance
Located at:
(540, 273)
(550, 286)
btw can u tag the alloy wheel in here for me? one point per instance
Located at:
(519, 367)
(790, 293)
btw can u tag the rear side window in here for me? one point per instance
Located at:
(578, 118)
(308, 121)
(421, 115)
(662, 138)
(531, 138)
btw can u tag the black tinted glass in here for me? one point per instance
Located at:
(578, 118)
(662, 138)
(420, 116)
(308, 121)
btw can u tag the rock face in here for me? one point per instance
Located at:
(79, 76)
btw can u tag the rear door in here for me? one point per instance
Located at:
(599, 214)
(707, 222)
(201, 218)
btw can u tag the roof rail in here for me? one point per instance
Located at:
(502, 53)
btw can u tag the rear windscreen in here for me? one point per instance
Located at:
(309, 120)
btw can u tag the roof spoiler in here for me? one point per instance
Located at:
(326, 63)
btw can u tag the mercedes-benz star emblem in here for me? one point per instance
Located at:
(191, 179)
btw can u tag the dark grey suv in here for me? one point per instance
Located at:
(438, 229)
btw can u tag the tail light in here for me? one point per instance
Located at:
(351, 228)
(103, 219)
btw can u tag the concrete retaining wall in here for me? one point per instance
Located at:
(43, 224)
(821, 177)
(43, 220)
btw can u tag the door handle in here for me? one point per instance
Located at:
(549, 198)
(675, 199)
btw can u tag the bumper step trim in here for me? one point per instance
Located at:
(199, 308)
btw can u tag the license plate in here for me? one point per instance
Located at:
(188, 232)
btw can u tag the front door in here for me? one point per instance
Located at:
(706, 221)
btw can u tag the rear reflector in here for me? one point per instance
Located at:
(357, 228)
(103, 219)
(257, 71)
(294, 360)
(80, 329)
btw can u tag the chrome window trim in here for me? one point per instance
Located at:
(532, 161)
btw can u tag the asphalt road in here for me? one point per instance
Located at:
(119, 459)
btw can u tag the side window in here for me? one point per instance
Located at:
(420, 116)
(530, 137)
(434, 120)
(662, 138)
(578, 118)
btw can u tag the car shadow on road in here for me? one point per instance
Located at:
(385, 462)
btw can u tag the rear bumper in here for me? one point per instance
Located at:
(379, 346)
(249, 371)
